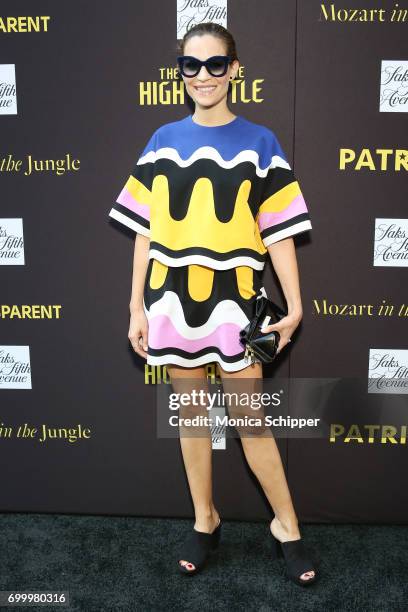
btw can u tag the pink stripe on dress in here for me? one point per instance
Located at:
(126, 199)
(163, 334)
(296, 207)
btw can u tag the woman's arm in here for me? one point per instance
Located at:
(140, 263)
(138, 322)
(283, 258)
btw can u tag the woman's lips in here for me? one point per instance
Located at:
(204, 91)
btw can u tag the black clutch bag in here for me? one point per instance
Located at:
(257, 344)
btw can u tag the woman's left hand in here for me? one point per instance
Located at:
(286, 326)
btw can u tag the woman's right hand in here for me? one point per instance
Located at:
(138, 330)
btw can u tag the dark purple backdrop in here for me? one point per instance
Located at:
(78, 92)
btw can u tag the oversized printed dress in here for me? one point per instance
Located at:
(211, 199)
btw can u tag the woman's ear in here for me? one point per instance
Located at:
(235, 67)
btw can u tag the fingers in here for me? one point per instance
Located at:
(283, 341)
(282, 344)
(139, 350)
(139, 343)
(277, 328)
(268, 328)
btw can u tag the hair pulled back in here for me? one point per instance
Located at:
(215, 29)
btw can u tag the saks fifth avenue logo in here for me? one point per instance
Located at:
(218, 438)
(191, 12)
(15, 369)
(388, 371)
(8, 96)
(391, 242)
(11, 242)
(394, 87)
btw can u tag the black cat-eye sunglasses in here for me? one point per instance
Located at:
(190, 66)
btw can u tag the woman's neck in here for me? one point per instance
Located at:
(212, 116)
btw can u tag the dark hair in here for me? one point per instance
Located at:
(215, 29)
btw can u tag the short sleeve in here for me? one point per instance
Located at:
(282, 211)
(133, 204)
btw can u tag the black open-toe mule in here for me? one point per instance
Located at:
(197, 548)
(297, 560)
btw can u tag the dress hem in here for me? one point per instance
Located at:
(198, 361)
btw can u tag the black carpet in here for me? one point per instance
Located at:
(128, 564)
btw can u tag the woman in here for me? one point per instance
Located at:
(210, 195)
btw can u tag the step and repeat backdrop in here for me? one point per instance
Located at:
(83, 85)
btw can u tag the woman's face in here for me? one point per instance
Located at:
(205, 89)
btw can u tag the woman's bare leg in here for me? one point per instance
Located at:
(196, 447)
(264, 459)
